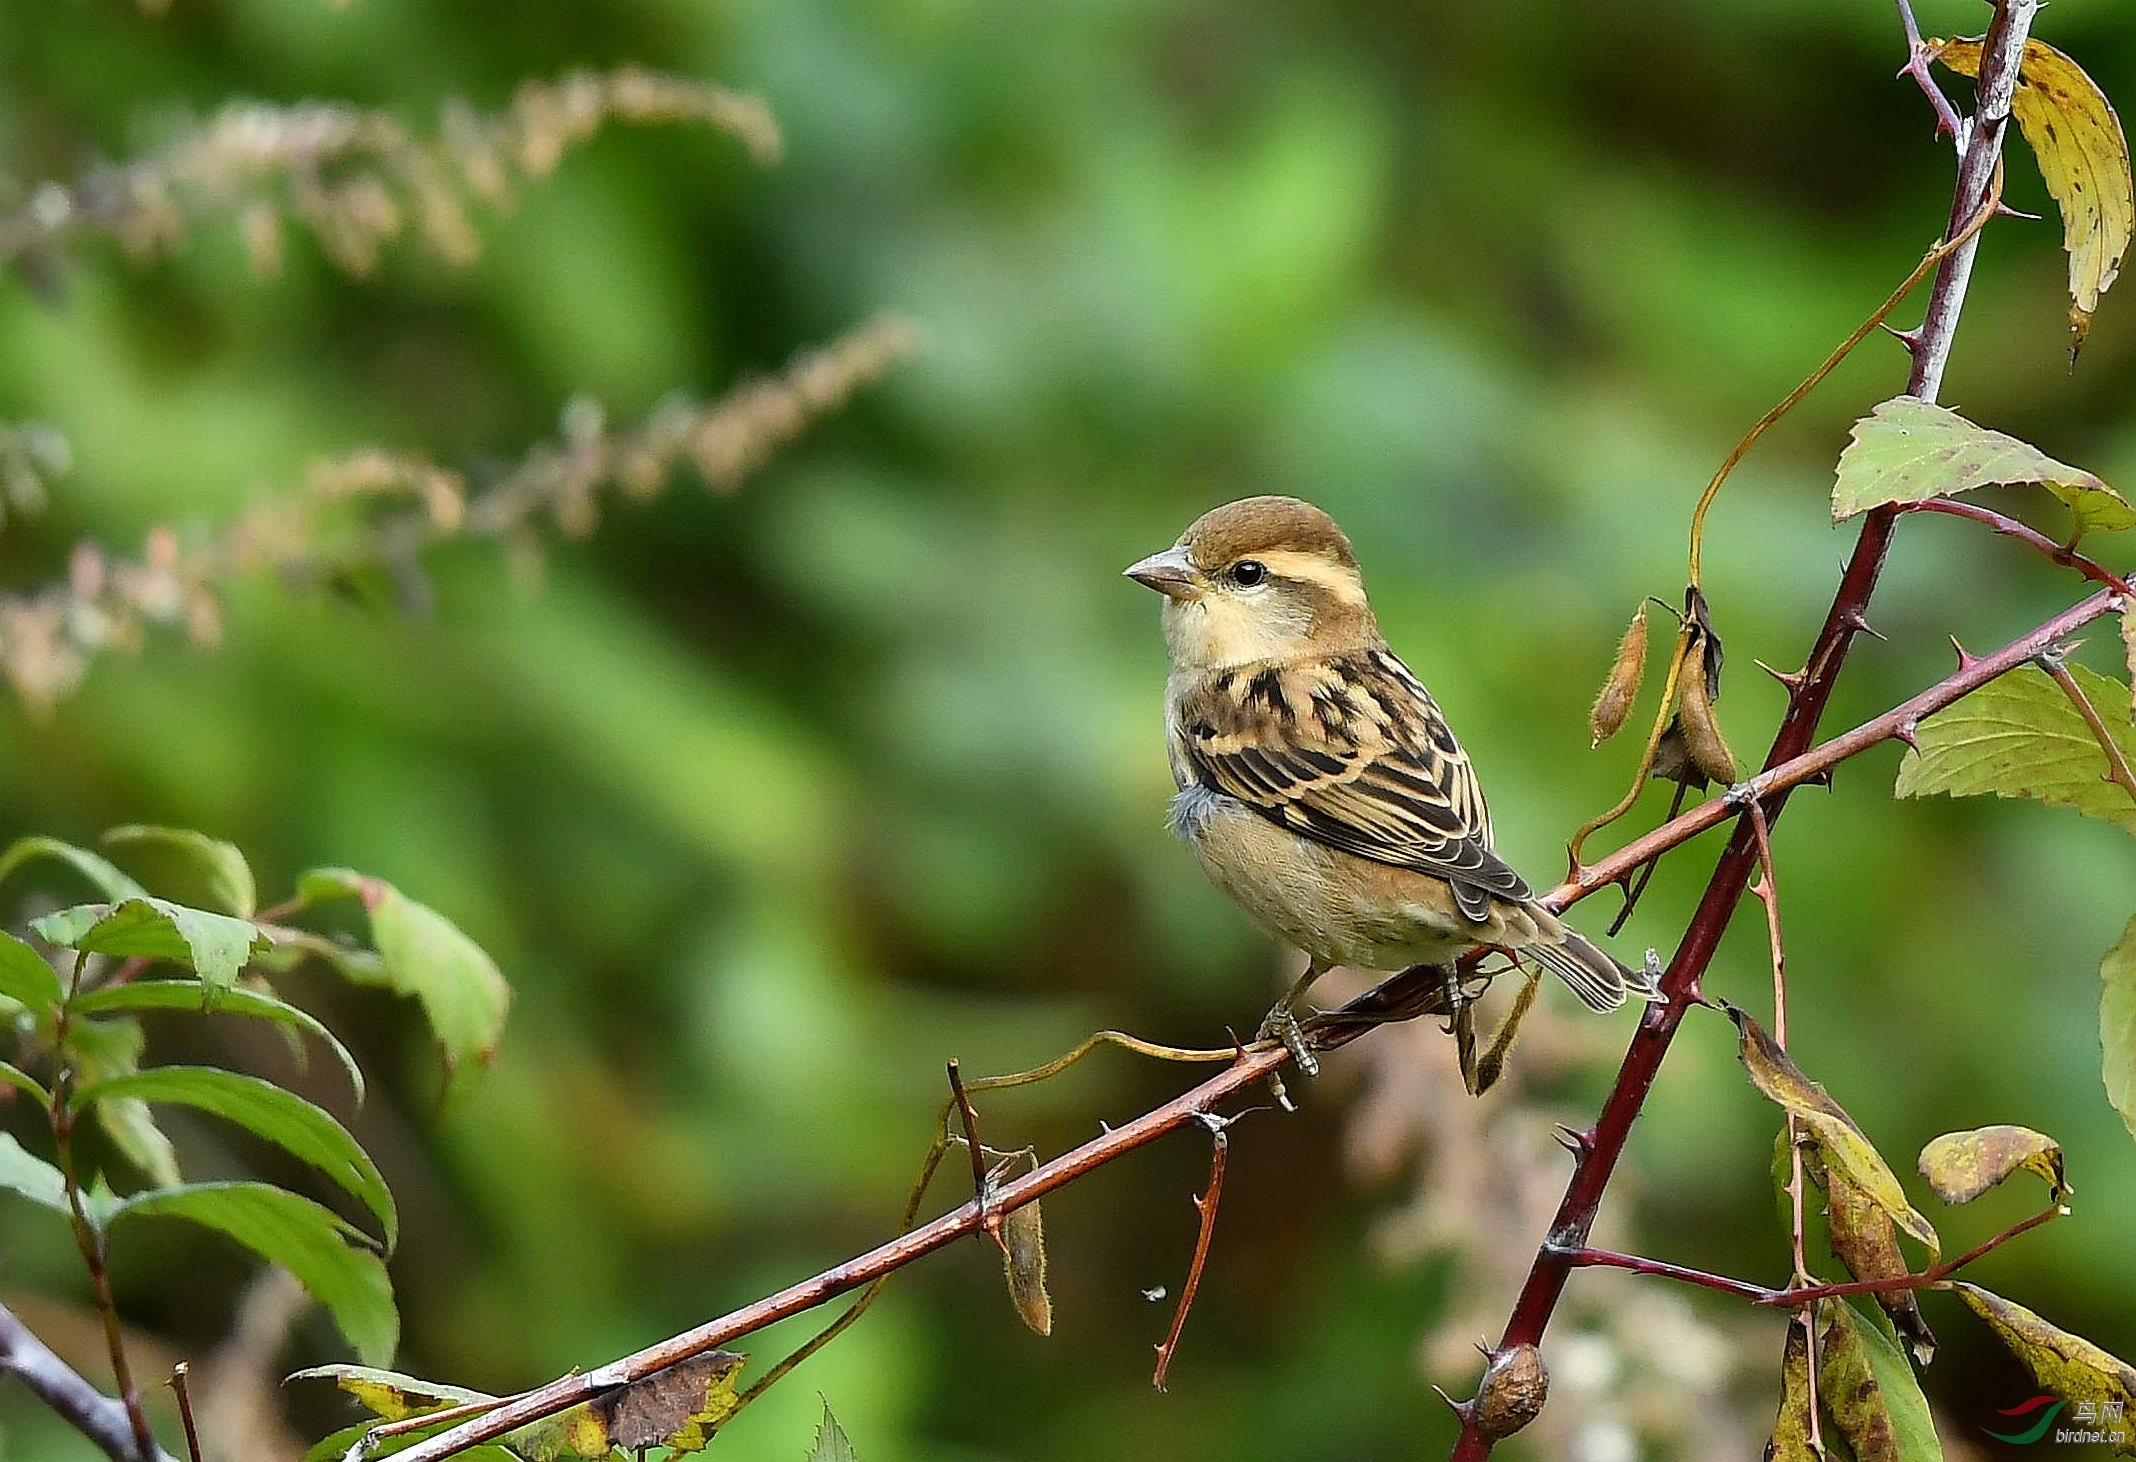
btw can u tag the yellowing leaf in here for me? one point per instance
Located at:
(1023, 1260)
(1841, 1143)
(2067, 1365)
(1961, 1166)
(1869, 1391)
(1863, 1237)
(2117, 1025)
(389, 1395)
(2019, 736)
(1791, 1428)
(679, 1408)
(2084, 157)
(1908, 450)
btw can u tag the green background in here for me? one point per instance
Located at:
(769, 803)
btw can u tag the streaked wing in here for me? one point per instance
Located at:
(1353, 753)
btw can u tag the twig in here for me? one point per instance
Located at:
(1767, 889)
(1930, 345)
(100, 1418)
(185, 1409)
(1949, 123)
(1247, 1070)
(1796, 1296)
(988, 1220)
(2117, 765)
(2010, 527)
(1410, 993)
(1205, 1205)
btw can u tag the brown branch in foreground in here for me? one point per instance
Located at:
(1980, 162)
(1205, 1206)
(100, 1418)
(2117, 765)
(1411, 993)
(1801, 1295)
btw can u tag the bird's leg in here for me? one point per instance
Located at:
(1281, 1023)
(1461, 1021)
(1492, 1064)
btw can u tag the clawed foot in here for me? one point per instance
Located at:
(1281, 1024)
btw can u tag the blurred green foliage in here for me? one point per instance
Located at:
(767, 804)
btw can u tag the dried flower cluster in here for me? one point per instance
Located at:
(1637, 1373)
(377, 511)
(354, 176)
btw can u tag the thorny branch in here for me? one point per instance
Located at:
(1414, 992)
(1791, 762)
(1980, 160)
(1205, 1207)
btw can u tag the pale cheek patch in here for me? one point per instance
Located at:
(1220, 629)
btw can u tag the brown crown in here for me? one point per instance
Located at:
(1259, 525)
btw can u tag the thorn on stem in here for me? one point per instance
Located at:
(1906, 733)
(2004, 210)
(1966, 658)
(1911, 338)
(1792, 679)
(1853, 620)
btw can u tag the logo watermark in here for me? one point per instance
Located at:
(2095, 1421)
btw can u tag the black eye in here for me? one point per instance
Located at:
(1247, 572)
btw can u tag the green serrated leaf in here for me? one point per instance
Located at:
(424, 954)
(2117, 1025)
(320, 1249)
(108, 881)
(261, 1107)
(192, 995)
(2067, 1365)
(2019, 736)
(24, 976)
(23, 1172)
(215, 945)
(229, 876)
(831, 1444)
(1908, 450)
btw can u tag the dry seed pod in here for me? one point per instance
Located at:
(1512, 1394)
(1023, 1260)
(1622, 687)
(1702, 729)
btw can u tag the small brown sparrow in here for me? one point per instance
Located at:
(1318, 782)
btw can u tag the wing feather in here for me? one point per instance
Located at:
(1351, 752)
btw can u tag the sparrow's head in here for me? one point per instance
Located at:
(1264, 578)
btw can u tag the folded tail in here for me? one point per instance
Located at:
(1594, 974)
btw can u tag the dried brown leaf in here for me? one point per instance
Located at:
(1614, 702)
(1023, 1262)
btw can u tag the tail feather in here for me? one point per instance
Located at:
(1595, 975)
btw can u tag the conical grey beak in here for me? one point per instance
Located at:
(1168, 573)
